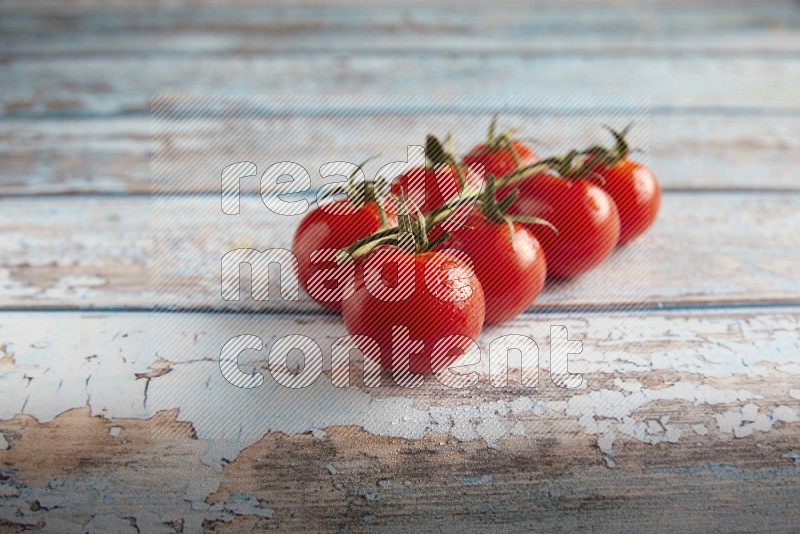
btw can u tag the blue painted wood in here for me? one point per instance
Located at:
(105, 86)
(473, 27)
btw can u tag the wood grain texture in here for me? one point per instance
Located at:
(113, 155)
(80, 6)
(522, 28)
(95, 252)
(96, 85)
(667, 431)
(120, 421)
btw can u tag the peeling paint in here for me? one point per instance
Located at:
(183, 374)
(240, 504)
(749, 412)
(785, 414)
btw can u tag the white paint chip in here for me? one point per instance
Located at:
(4, 443)
(605, 443)
(241, 504)
(749, 412)
(729, 421)
(653, 427)
(785, 413)
(794, 393)
(491, 430)
(114, 431)
(763, 423)
(517, 430)
(673, 434)
(630, 385)
(743, 431)
(103, 523)
(701, 429)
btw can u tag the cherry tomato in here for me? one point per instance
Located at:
(636, 193)
(511, 268)
(321, 229)
(427, 188)
(584, 215)
(446, 300)
(499, 160)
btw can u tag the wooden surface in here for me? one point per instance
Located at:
(115, 419)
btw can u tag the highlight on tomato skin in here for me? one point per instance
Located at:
(585, 216)
(508, 260)
(633, 186)
(637, 194)
(439, 306)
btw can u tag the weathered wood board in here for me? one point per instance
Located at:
(113, 154)
(683, 419)
(710, 248)
(119, 420)
(99, 85)
(29, 30)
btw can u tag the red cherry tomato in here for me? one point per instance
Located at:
(449, 303)
(512, 269)
(499, 161)
(636, 193)
(584, 215)
(321, 229)
(427, 188)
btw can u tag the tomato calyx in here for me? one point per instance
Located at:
(436, 153)
(492, 208)
(411, 234)
(418, 224)
(485, 199)
(575, 166)
(608, 157)
(503, 141)
(496, 210)
(583, 164)
(437, 156)
(359, 193)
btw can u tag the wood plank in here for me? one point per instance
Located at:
(122, 6)
(82, 6)
(731, 248)
(85, 87)
(542, 28)
(112, 155)
(108, 426)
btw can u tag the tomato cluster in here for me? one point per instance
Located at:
(425, 284)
